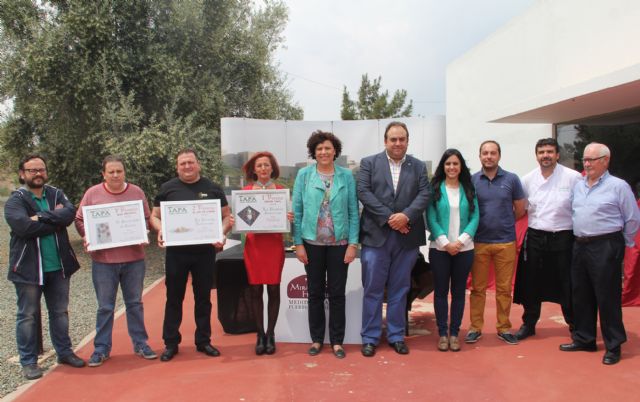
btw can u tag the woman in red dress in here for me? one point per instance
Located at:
(264, 254)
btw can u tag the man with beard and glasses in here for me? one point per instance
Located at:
(544, 272)
(41, 261)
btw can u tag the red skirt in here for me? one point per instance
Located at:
(264, 258)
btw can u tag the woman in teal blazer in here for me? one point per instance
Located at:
(452, 219)
(326, 226)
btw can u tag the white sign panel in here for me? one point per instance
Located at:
(114, 225)
(191, 222)
(293, 320)
(260, 211)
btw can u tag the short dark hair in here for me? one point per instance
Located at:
(490, 142)
(249, 168)
(29, 157)
(112, 158)
(26, 159)
(318, 137)
(548, 141)
(187, 151)
(395, 124)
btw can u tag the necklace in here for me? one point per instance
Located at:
(264, 186)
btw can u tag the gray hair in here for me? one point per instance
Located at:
(602, 149)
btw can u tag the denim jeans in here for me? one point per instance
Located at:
(56, 295)
(106, 277)
(387, 266)
(449, 270)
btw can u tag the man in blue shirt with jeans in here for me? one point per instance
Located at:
(605, 218)
(501, 201)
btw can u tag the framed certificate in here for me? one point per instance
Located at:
(260, 211)
(191, 222)
(114, 225)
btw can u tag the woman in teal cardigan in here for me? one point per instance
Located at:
(326, 225)
(452, 219)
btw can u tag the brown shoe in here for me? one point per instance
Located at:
(443, 344)
(454, 344)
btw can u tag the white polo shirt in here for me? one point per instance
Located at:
(549, 200)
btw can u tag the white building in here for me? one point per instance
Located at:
(562, 61)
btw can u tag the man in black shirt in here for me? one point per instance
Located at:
(195, 259)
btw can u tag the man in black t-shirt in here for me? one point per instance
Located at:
(195, 259)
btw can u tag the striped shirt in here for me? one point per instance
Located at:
(395, 168)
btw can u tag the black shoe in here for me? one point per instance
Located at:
(578, 347)
(611, 356)
(270, 347)
(400, 347)
(169, 353)
(525, 331)
(31, 371)
(339, 352)
(71, 360)
(208, 350)
(368, 350)
(314, 351)
(260, 348)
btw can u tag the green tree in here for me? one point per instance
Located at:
(141, 78)
(372, 103)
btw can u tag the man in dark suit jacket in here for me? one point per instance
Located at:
(394, 190)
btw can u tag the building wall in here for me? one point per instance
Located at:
(555, 44)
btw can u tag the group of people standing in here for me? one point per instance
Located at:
(41, 261)
(571, 255)
(471, 220)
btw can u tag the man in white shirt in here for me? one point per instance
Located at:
(545, 260)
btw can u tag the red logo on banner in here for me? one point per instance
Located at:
(297, 288)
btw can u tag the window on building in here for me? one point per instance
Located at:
(620, 133)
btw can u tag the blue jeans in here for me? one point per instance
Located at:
(106, 277)
(449, 269)
(56, 295)
(389, 265)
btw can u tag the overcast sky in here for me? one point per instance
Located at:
(331, 43)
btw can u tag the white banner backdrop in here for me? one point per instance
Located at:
(241, 138)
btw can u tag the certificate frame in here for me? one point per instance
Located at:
(261, 211)
(115, 224)
(191, 222)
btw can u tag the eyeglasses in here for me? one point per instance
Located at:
(591, 160)
(36, 171)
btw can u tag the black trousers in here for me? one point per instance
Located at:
(178, 265)
(548, 271)
(326, 278)
(596, 273)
